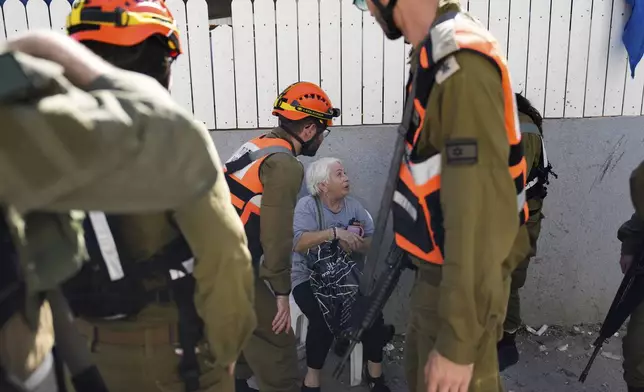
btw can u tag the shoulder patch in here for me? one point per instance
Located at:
(448, 68)
(443, 38)
(461, 152)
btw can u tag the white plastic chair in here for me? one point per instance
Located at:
(300, 325)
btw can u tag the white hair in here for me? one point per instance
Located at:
(319, 172)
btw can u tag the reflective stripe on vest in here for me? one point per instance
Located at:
(246, 187)
(109, 251)
(418, 217)
(107, 245)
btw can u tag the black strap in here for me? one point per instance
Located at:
(239, 163)
(318, 204)
(190, 329)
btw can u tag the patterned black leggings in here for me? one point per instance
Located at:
(319, 339)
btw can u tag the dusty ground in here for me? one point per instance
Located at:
(551, 362)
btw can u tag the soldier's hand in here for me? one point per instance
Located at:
(443, 375)
(625, 262)
(81, 65)
(231, 369)
(282, 320)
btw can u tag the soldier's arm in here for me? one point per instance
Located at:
(281, 176)
(478, 201)
(110, 149)
(224, 293)
(631, 234)
(531, 149)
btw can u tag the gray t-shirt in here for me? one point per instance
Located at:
(305, 220)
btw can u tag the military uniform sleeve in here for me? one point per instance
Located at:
(224, 293)
(478, 199)
(281, 175)
(631, 234)
(531, 149)
(113, 149)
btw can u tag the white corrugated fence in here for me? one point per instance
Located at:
(565, 55)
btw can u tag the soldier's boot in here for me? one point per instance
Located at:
(507, 351)
(635, 389)
(375, 384)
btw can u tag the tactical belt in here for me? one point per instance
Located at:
(147, 336)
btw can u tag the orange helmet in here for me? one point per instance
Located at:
(304, 99)
(123, 22)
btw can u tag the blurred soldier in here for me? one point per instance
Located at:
(159, 282)
(71, 124)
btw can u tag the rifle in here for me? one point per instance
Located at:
(397, 262)
(629, 295)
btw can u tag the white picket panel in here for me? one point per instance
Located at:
(499, 22)
(597, 57)
(538, 54)
(408, 49)
(566, 56)
(330, 65)
(372, 70)
(558, 58)
(287, 52)
(633, 93)
(223, 68)
(266, 53)
(617, 63)
(309, 40)
(480, 9)
(58, 11)
(244, 47)
(181, 87)
(518, 43)
(578, 58)
(394, 79)
(351, 64)
(3, 36)
(200, 62)
(37, 15)
(15, 20)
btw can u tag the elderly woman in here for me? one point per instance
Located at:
(330, 227)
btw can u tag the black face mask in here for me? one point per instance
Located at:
(310, 148)
(385, 18)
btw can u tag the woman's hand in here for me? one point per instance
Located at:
(349, 240)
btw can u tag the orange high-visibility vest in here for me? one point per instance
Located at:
(246, 188)
(418, 217)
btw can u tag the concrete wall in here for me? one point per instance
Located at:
(576, 273)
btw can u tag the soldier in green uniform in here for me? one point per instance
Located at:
(160, 281)
(70, 121)
(265, 177)
(631, 234)
(460, 202)
(538, 169)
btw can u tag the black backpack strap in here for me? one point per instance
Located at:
(190, 330)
